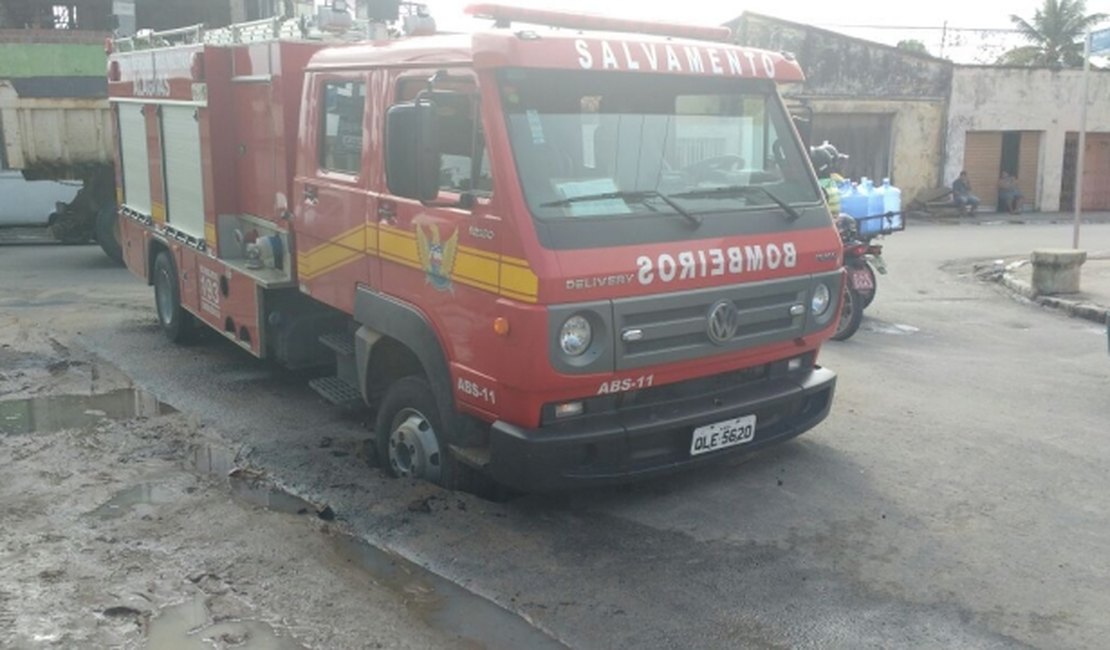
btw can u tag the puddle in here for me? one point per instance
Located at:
(245, 485)
(142, 494)
(445, 606)
(894, 329)
(189, 626)
(57, 412)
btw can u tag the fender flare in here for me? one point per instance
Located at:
(381, 316)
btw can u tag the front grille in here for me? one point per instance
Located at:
(675, 327)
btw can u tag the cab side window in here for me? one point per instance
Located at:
(464, 160)
(344, 104)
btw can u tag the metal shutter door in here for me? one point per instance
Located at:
(983, 163)
(1096, 172)
(184, 173)
(136, 159)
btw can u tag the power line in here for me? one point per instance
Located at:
(935, 28)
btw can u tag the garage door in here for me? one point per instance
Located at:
(983, 163)
(1096, 172)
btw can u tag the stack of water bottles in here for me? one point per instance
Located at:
(877, 210)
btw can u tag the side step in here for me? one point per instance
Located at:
(342, 388)
(337, 391)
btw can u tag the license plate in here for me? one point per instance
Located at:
(861, 280)
(719, 435)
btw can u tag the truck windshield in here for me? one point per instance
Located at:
(607, 145)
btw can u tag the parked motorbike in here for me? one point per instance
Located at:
(861, 261)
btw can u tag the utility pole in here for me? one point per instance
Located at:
(1081, 152)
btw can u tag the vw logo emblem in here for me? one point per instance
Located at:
(724, 320)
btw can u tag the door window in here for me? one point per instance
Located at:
(341, 126)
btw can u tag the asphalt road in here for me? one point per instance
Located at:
(956, 497)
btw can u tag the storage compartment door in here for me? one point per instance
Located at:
(136, 158)
(184, 173)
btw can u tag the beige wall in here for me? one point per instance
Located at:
(917, 133)
(1025, 99)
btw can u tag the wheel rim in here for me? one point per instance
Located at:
(846, 311)
(413, 447)
(163, 296)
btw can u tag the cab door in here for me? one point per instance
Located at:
(444, 255)
(331, 199)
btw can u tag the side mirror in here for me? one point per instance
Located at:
(412, 156)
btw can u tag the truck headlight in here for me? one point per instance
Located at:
(822, 298)
(575, 336)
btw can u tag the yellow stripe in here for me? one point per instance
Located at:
(335, 264)
(395, 245)
(119, 196)
(519, 282)
(324, 260)
(511, 277)
(158, 212)
(480, 253)
(476, 268)
(210, 233)
(371, 238)
(352, 238)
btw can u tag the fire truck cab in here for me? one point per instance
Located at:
(567, 250)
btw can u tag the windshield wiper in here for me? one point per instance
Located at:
(792, 213)
(637, 196)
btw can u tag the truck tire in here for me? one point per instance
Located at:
(412, 442)
(177, 324)
(107, 232)
(851, 315)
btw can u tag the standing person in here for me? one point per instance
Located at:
(1009, 196)
(962, 196)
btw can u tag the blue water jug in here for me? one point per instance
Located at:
(892, 202)
(852, 203)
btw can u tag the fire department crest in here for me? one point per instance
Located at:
(437, 258)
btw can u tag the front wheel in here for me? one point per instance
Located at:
(412, 441)
(851, 315)
(177, 324)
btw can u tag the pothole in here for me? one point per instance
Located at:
(58, 412)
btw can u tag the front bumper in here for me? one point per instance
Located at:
(654, 439)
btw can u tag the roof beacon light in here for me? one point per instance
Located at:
(504, 15)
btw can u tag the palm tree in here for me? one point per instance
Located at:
(1055, 35)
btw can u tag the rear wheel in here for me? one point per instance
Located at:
(177, 324)
(851, 315)
(412, 441)
(869, 296)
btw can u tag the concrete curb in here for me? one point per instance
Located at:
(1075, 308)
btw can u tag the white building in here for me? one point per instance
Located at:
(1026, 121)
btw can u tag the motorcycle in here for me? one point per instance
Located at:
(861, 260)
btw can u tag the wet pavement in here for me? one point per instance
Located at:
(469, 619)
(926, 512)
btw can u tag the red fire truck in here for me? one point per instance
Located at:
(566, 250)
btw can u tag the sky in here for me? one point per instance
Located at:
(887, 20)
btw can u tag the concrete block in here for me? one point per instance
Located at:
(1056, 271)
